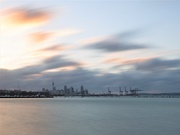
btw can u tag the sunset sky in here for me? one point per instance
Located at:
(98, 44)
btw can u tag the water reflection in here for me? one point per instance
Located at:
(89, 116)
(23, 117)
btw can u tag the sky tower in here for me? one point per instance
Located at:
(53, 85)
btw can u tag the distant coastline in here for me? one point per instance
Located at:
(53, 94)
(159, 95)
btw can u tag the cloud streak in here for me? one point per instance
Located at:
(115, 43)
(53, 48)
(59, 61)
(157, 64)
(38, 37)
(125, 61)
(111, 46)
(26, 16)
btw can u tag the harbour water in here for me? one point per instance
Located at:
(90, 116)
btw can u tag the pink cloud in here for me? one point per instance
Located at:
(24, 16)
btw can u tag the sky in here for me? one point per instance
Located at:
(97, 43)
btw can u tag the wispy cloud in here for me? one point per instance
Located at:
(26, 16)
(53, 48)
(38, 37)
(41, 36)
(114, 46)
(124, 61)
(115, 43)
(59, 61)
(50, 63)
(158, 64)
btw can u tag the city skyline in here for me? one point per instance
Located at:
(98, 44)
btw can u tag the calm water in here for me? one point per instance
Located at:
(90, 116)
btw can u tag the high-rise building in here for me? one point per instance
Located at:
(65, 87)
(82, 88)
(53, 85)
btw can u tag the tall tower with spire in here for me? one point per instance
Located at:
(53, 85)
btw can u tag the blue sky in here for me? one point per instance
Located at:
(93, 38)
